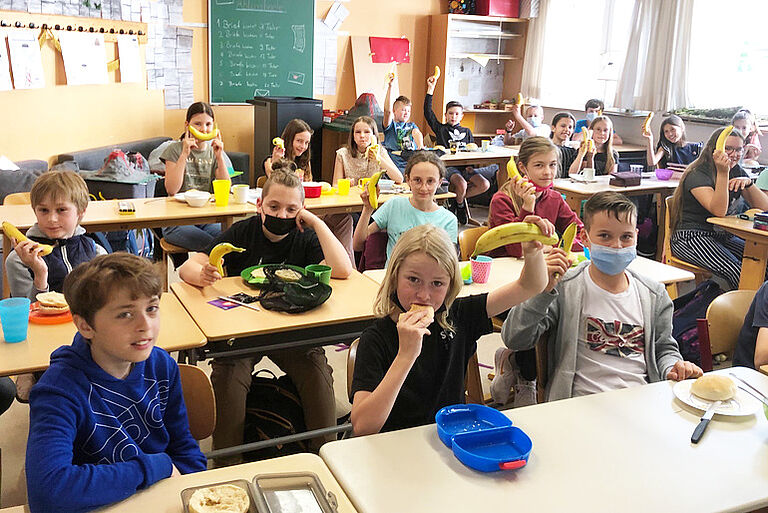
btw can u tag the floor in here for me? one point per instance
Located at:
(14, 424)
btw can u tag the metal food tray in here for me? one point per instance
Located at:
(267, 486)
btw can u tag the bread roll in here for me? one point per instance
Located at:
(52, 303)
(219, 499)
(714, 387)
(427, 308)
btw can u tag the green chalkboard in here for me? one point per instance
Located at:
(260, 48)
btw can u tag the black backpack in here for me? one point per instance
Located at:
(688, 309)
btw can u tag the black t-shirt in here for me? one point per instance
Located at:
(437, 376)
(600, 161)
(297, 248)
(566, 156)
(694, 215)
(445, 133)
(757, 317)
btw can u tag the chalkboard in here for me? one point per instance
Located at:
(260, 48)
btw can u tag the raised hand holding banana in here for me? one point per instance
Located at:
(512, 233)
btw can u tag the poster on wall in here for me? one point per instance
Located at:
(26, 63)
(85, 58)
(130, 58)
(5, 66)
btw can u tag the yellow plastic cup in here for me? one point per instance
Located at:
(343, 186)
(221, 192)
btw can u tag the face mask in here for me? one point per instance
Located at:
(611, 261)
(540, 188)
(591, 116)
(534, 121)
(278, 225)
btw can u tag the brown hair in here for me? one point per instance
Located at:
(195, 109)
(293, 128)
(705, 162)
(402, 99)
(594, 103)
(610, 162)
(351, 142)
(612, 203)
(425, 156)
(60, 185)
(90, 285)
(283, 173)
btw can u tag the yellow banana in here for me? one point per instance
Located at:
(722, 137)
(647, 123)
(278, 141)
(437, 73)
(392, 72)
(511, 233)
(585, 133)
(519, 99)
(373, 198)
(373, 150)
(200, 136)
(590, 146)
(216, 258)
(512, 171)
(14, 233)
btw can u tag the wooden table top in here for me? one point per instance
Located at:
(626, 450)
(742, 227)
(467, 157)
(601, 183)
(177, 331)
(352, 202)
(351, 300)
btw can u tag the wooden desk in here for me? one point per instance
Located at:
(352, 202)
(627, 450)
(177, 332)
(629, 148)
(764, 369)
(755, 249)
(165, 496)
(495, 155)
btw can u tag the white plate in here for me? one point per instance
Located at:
(180, 197)
(741, 404)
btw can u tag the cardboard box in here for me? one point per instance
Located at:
(502, 8)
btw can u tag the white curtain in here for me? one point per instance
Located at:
(655, 70)
(534, 52)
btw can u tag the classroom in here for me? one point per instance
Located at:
(348, 256)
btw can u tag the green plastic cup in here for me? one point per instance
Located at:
(322, 273)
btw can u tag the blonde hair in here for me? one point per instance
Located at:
(433, 242)
(283, 173)
(60, 185)
(608, 144)
(374, 138)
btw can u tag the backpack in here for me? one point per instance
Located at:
(280, 295)
(688, 309)
(137, 242)
(273, 409)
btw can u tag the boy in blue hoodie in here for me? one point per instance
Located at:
(108, 418)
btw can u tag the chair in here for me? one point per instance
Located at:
(199, 399)
(17, 198)
(351, 357)
(468, 240)
(700, 273)
(169, 249)
(724, 319)
(260, 181)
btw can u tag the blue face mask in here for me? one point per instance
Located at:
(534, 121)
(611, 261)
(591, 116)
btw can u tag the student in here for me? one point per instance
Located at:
(593, 108)
(297, 135)
(608, 327)
(399, 133)
(604, 159)
(283, 233)
(530, 126)
(752, 345)
(710, 185)
(108, 418)
(194, 164)
(355, 163)
(411, 363)
(672, 147)
(59, 200)
(745, 122)
(467, 182)
(423, 174)
(562, 130)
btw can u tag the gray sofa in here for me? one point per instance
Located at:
(22, 179)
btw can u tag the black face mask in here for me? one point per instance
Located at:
(279, 225)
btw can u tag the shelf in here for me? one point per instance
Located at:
(486, 35)
(487, 19)
(492, 56)
(488, 111)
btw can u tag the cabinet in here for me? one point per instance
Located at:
(460, 44)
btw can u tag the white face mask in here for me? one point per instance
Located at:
(591, 116)
(535, 121)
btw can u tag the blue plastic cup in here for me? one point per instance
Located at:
(14, 317)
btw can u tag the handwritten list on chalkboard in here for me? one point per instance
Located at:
(260, 48)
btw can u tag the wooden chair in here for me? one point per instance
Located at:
(199, 399)
(542, 372)
(725, 316)
(468, 240)
(700, 273)
(351, 357)
(169, 249)
(17, 198)
(260, 181)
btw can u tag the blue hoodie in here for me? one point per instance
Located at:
(95, 439)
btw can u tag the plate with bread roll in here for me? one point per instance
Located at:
(50, 308)
(700, 393)
(227, 497)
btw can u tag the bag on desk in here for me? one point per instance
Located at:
(296, 296)
(625, 179)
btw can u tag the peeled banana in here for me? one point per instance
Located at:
(373, 150)
(14, 233)
(720, 145)
(520, 99)
(373, 198)
(200, 136)
(588, 142)
(216, 258)
(278, 141)
(647, 123)
(437, 73)
(511, 233)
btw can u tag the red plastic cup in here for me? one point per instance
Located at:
(481, 268)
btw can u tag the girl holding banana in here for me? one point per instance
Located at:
(672, 147)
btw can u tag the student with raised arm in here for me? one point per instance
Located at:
(399, 133)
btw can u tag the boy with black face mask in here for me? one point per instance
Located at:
(283, 233)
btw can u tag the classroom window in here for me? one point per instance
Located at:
(728, 64)
(585, 45)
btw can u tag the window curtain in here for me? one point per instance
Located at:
(654, 76)
(534, 52)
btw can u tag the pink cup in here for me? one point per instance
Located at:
(481, 268)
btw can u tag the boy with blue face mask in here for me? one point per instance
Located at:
(608, 327)
(531, 125)
(593, 108)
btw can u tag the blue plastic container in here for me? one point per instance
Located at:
(462, 418)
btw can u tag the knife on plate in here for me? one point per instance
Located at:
(704, 422)
(566, 242)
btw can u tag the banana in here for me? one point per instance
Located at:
(373, 150)
(647, 123)
(585, 133)
(512, 171)
(722, 137)
(278, 141)
(200, 136)
(437, 73)
(14, 233)
(590, 146)
(216, 258)
(519, 99)
(588, 142)
(373, 198)
(511, 233)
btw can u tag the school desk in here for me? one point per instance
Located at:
(102, 216)
(627, 450)
(177, 332)
(764, 369)
(165, 496)
(495, 155)
(352, 202)
(755, 249)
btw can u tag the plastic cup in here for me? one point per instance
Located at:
(221, 192)
(481, 268)
(486, 144)
(240, 193)
(343, 186)
(636, 168)
(322, 273)
(14, 317)
(589, 174)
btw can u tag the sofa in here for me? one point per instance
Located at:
(22, 179)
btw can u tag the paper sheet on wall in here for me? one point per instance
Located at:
(85, 58)
(5, 66)
(130, 58)
(325, 59)
(336, 16)
(26, 63)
